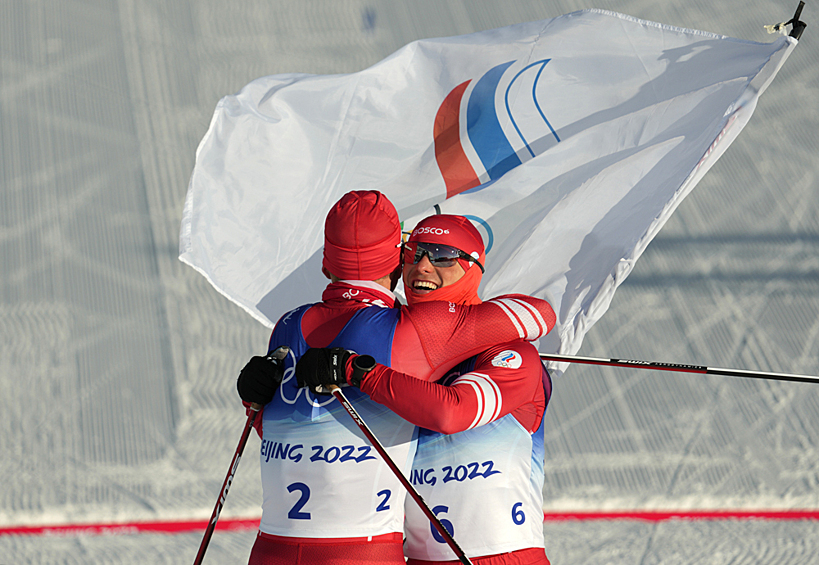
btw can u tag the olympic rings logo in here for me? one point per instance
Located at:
(289, 374)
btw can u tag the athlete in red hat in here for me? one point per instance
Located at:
(485, 480)
(329, 498)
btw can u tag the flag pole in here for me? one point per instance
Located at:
(450, 541)
(797, 26)
(659, 366)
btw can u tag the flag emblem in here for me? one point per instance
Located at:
(505, 125)
(508, 359)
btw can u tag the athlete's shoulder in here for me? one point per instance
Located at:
(526, 309)
(287, 317)
(291, 317)
(287, 326)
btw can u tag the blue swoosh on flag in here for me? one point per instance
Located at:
(484, 129)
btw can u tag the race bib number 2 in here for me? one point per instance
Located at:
(298, 510)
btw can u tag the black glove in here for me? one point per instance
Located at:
(322, 366)
(258, 381)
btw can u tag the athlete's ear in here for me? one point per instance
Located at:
(395, 276)
(326, 272)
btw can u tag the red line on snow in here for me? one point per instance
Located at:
(663, 515)
(124, 528)
(243, 524)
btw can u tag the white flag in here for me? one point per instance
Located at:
(569, 142)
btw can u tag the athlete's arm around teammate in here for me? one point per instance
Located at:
(443, 264)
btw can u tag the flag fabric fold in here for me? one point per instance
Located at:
(569, 142)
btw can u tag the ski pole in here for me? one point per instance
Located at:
(220, 502)
(450, 541)
(659, 366)
(278, 355)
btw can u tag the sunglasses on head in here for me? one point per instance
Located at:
(439, 255)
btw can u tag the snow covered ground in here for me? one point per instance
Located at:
(118, 363)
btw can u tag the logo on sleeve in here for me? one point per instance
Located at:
(508, 359)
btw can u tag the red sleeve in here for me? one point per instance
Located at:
(507, 378)
(449, 333)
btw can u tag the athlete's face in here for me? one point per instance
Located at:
(423, 277)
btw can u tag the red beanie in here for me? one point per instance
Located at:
(362, 237)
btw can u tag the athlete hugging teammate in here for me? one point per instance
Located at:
(326, 496)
